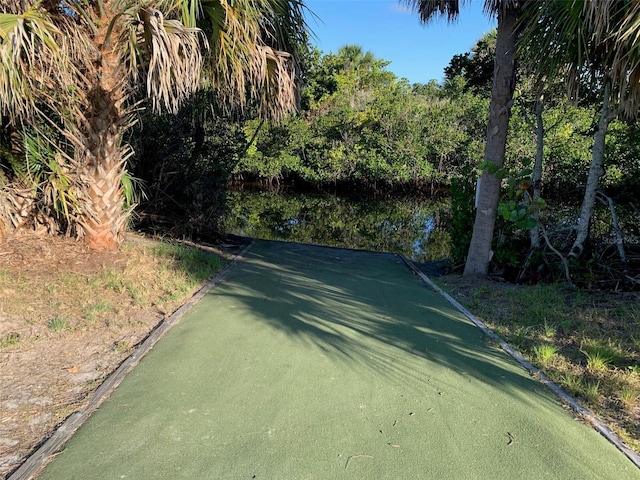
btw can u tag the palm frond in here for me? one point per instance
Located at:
(175, 60)
(57, 189)
(587, 40)
(558, 42)
(278, 89)
(32, 57)
(255, 51)
(428, 10)
(132, 189)
(619, 22)
(44, 171)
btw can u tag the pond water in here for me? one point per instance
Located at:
(416, 226)
(413, 225)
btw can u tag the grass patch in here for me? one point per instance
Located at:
(544, 354)
(171, 272)
(591, 392)
(149, 276)
(11, 338)
(58, 324)
(184, 268)
(122, 346)
(599, 357)
(197, 265)
(93, 310)
(549, 330)
(629, 397)
(114, 280)
(544, 304)
(571, 383)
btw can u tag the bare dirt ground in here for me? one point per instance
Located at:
(68, 318)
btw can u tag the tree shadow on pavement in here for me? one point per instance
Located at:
(369, 311)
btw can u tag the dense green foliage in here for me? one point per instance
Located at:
(361, 125)
(476, 66)
(462, 214)
(362, 128)
(183, 162)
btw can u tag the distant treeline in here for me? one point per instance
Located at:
(361, 125)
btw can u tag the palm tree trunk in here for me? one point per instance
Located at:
(479, 254)
(102, 159)
(607, 114)
(103, 218)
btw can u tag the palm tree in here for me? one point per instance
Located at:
(354, 57)
(86, 66)
(596, 43)
(476, 66)
(508, 12)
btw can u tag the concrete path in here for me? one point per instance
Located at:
(319, 363)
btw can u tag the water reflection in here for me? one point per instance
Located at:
(416, 227)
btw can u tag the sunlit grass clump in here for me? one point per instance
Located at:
(600, 354)
(545, 353)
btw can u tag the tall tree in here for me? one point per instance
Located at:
(508, 12)
(354, 57)
(84, 66)
(593, 43)
(476, 66)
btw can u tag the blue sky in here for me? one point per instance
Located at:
(391, 31)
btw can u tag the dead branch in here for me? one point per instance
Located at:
(608, 201)
(562, 258)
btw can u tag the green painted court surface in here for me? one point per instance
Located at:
(319, 363)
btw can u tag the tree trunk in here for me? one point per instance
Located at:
(479, 254)
(595, 172)
(536, 175)
(101, 160)
(102, 217)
